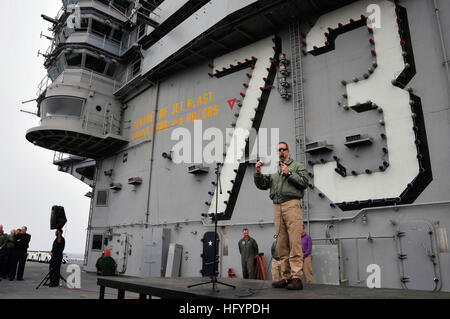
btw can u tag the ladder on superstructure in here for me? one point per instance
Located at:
(298, 100)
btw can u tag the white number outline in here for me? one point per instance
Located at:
(262, 53)
(401, 139)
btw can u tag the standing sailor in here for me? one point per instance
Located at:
(286, 190)
(248, 249)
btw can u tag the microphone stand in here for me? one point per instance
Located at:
(214, 217)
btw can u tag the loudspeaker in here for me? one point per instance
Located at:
(57, 217)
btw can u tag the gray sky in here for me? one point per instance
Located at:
(30, 183)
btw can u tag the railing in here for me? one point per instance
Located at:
(44, 256)
(43, 85)
(59, 157)
(61, 11)
(102, 124)
(104, 37)
(51, 47)
(100, 40)
(115, 125)
(132, 72)
(117, 8)
(126, 44)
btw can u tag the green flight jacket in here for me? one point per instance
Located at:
(284, 188)
(248, 249)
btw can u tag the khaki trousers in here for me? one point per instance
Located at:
(307, 269)
(276, 270)
(288, 225)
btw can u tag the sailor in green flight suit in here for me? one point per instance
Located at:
(248, 249)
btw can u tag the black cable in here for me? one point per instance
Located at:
(281, 210)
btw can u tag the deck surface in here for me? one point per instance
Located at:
(35, 272)
(177, 288)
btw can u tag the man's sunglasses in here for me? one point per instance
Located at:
(282, 149)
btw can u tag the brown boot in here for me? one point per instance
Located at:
(295, 284)
(281, 284)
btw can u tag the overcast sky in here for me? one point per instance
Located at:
(30, 184)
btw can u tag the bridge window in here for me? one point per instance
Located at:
(81, 59)
(53, 73)
(111, 69)
(62, 106)
(84, 24)
(100, 28)
(104, 2)
(60, 38)
(60, 64)
(57, 69)
(73, 59)
(122, 5)
(117, 36)
(67, 32)
(95, 64)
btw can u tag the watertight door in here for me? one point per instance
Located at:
(418, 255)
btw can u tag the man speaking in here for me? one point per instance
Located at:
(286, 190)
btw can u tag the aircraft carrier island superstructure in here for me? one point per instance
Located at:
(143, 98)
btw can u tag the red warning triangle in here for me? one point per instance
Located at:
(231, 103)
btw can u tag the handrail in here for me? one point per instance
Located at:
(114, 7)
(105, 39)
(128, 76)
(60, 156)
(42, 86)
(60, 13)
(104, 124)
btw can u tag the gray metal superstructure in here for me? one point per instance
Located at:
(358, 89)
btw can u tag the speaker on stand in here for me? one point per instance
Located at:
(57, 217)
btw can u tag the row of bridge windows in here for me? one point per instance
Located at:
(82, 59)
